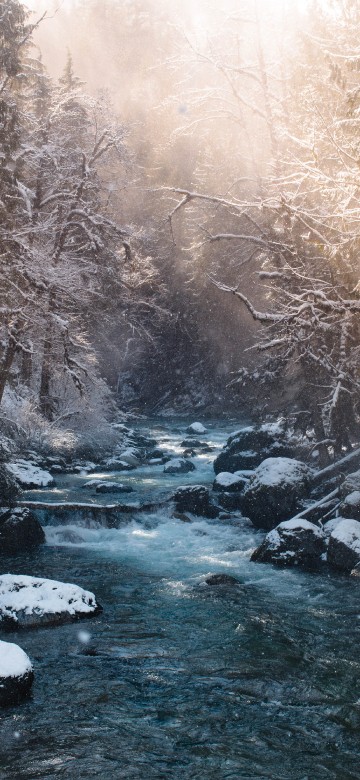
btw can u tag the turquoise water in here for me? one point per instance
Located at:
(177, 679)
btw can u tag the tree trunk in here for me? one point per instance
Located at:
(45, 400)
(7, 362)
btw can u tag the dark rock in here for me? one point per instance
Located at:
(344, 545)
(221, 579)
(350, 484)
(144, 442)
(350, 506)
(157, 455)
(274, 490)
(181, 516)
(179, 466)
(9, 489)
(113, 487)
(19, 531)
(194, 443)
(232, 502)
(16, 674)
(246, 449)
(292, 543)
(195, 499)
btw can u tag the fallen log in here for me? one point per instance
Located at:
(322, 503)
(336, 468)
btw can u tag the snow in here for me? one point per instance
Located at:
(353, 499)
(13, 661)
(32, 595)
(276, 471)
(226, 479)
(330, 526)
(27, 474)
(117, 464)
(348, 532)
(300, 525)
(130, 456)
(196, 427)
(273, 539)
(93, 483)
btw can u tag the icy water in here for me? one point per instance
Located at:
(180, 680)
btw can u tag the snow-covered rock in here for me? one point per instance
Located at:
(19, 531)
(157, 457)
(274, 491)
(131, 456)
(29, 476)
(26, 602)
(344, 545)
(194, 499)
(350, 506)
(16, 674)
(230, 483)
(350, 484)
(83, 467)
(179, 466)
(330, 526)
(91, 484)
(113, 487)
(116, 464)
(292, 543)
(247, 448)
(196, 427)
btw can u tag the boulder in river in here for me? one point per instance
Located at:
(344, 545)
(113, 487)
(292, 543)
(16, 674)
(179, 466)
(197, 428)
(195, 499)
(274, 490)
(19, 531)
(116, 464)
(226, 482)
(31, 602)
(247, 448)
(221, 579)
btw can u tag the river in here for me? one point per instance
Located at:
(177, 679)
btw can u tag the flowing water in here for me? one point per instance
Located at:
(177, 679)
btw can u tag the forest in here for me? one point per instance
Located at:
(179, 389)
(181, 227)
